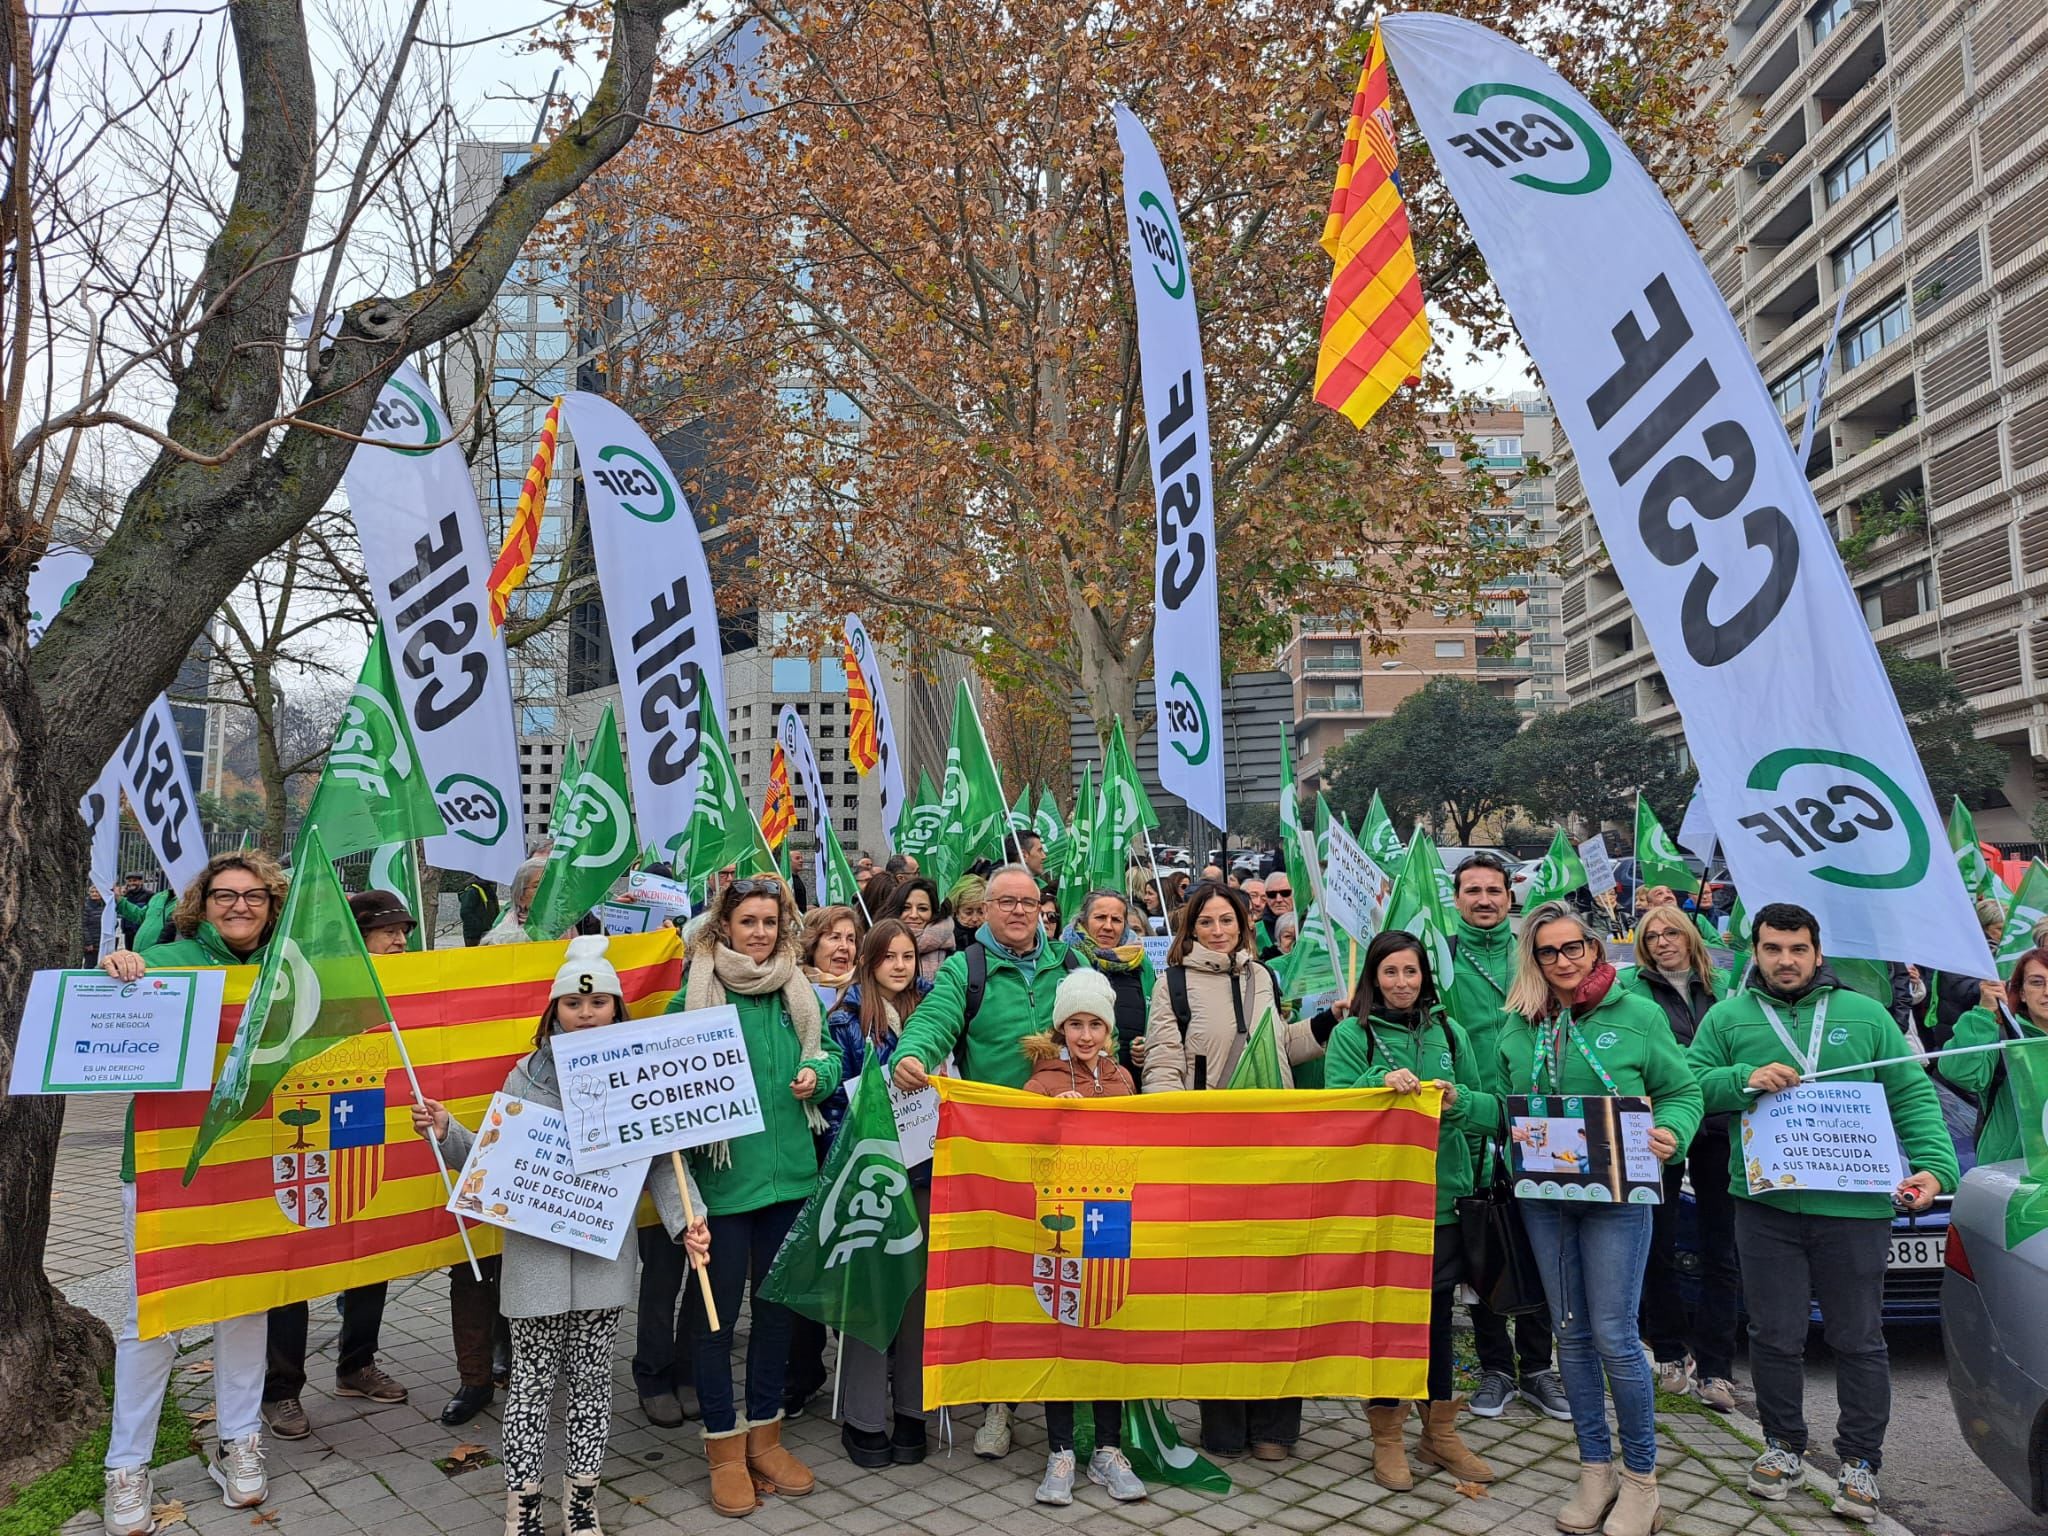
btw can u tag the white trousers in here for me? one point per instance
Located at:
(142, 1372)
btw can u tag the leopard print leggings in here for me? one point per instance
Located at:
(541, 1346)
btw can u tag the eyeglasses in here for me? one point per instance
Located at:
(2037, 981)
(1014, 903)
(221, 896)
(1571, 949)
(761, 887)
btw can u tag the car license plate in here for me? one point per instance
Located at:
(1923, 1250)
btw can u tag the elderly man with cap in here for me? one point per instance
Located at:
(384, 923)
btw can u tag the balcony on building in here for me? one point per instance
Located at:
(1333, 659)
(1779, 64)
(1774, 155)
(1790, 295)
(1335, 703)
(1613, 643)
(1853, 61)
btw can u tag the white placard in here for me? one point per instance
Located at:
(627, 916)
(641, 886)
(85, 1032)
(1834, 1136)
(1600, 873)
(664, 1084)
(1355, 888)
(518, 1176)
(1156, 945)
(917, 1115)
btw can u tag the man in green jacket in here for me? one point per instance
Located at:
(1024, 968)
(1793, 1021)
(1483, 968)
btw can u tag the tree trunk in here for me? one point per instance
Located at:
(269, 765)
(51, 1353)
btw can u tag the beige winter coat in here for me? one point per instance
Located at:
(1212, 1030)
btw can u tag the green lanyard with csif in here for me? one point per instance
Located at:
(1549, 1055)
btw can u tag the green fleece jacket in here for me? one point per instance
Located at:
(1016, 1003)
(1361, 1057)
(1634, 1043)
(206, 947)
(1735, 1039)
(1478, 995)
(780, 1161)
(1998, 1129)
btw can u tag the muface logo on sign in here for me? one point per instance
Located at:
(1686, 487)
(1567, 155)
(1839, 804)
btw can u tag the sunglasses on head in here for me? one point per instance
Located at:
(762, 886)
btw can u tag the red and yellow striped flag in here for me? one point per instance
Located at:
(516, 558)
(778, 811)
(1248, 1244)
(863, 739)
(1375, 333)
(327, 1186)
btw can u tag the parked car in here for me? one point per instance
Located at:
(1520, 877)
(1994, 1330)
(1914, 1277)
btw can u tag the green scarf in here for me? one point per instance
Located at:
(1119, 961)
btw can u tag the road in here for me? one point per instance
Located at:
(1932, 1482)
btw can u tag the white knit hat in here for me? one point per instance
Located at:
(1084, 991)
(585, 969)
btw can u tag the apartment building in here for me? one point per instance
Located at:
(1898, 155)
(1513, 644)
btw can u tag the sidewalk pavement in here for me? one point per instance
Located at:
(379, 1470)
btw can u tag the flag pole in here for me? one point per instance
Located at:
(440, 1162)
(1153, 859)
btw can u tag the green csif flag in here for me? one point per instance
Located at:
(571, 767)
(1978, 876)
(316, 987)
(1021, 818)
(594, 846)
(841, 889)
(856, 1252)
(1075, 876)
(1152, 1443)
(374, 789)
(396, 868)
(1658, 861)
(721, 829)
(917, 829)
(1051, 830)
(971, 795)
(1416, 904)
(1379, 838)
(2028, 906)
(1561, 873)
(1123, 813)
(1258, 1064)
(2026, 1208)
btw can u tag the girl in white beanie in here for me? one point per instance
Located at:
(564, 1304)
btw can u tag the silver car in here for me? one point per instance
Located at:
(1994, 1329)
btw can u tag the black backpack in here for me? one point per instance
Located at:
(977, 977)
(1177, 994)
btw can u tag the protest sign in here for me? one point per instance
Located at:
(1835, 1136)
(1591, 1149)
(1355, 888)
(1600, 875)
(518, 1176)
(641, 886)
(1156, 945)
(626, 916)
(85, 1032)
(917, 1116)
(666, 1084)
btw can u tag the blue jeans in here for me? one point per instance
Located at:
(1592, 1258)
(743, 1246)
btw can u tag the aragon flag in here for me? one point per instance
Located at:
(373, 790)
(316, 987)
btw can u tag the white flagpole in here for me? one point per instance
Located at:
(440, 1162)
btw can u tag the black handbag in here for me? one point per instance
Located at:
(1500, 1266)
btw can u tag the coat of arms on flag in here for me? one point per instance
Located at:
(1081, 1269)
(327, 1158)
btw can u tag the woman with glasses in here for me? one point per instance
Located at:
(1570, 1030)
(1103, 937)
(1673, 971)
(746, 955)
(225, 917)
(1983, 1073)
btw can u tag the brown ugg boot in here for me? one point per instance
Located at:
(772, 1463)
(1442, 1446)
(1389, 1456)
(732, 1487)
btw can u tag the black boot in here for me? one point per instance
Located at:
(865, 1447)
(466, 1404)
(907, 1445)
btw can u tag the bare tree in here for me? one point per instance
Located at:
(158, 235)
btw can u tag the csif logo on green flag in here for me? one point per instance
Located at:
(595, 844)
(373, 790)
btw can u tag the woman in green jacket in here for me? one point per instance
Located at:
(1982, 1074)
(746, 954)
(1398, 1036)
(1570, 1031)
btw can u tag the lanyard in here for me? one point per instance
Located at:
(1810, 1062)
(1550, 1054)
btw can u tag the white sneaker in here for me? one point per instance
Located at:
(1112, 1470)
(237, 1465)
(129, 1497)
(1058, 1487)
(992, 1440)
